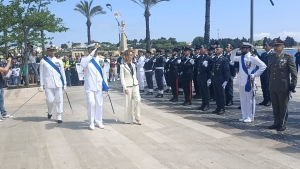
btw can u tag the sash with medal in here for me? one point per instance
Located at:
(104, 85)
(248, 84)
(55, 68)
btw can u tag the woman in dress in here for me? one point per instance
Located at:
(130, 88)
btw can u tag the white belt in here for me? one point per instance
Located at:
(148, 70)
(159, 68)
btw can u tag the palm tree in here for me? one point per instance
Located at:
(147, 4)
(207, 22)
(86, 9)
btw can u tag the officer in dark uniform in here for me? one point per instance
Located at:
(159, 62)
(211, 55)
(220, 77)
(204, 77)
(148, 67)
(297, 56)
(196, 86)
(264, 76)
(167, 71)
(186, 74)
(281, 67)
(74, 75)
(174, 73)
(180, 87)
(232, 72)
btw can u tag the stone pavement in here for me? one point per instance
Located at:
(170, 137)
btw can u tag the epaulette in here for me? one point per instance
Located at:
(286, 54)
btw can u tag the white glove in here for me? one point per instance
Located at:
(192, 61)
(252, 76)
(208, 82)
(154, 60)
(231, 63)
(181, 73)
(146, 60)
(290, 95)
(93, 52)
(167, 60)
(205, 63)
(41, 88)
(178, 61)
(224, 84)
(65, 88)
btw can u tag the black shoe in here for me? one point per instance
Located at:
(262, 103)
(216, 111)
(222, 111)
(268, 103)
(239, 107)
(159, 96)
(156, 89)
(205, 108)
(59, 121)
(180, 93)
(149, 93)
(230, 103)
(282, 128)
(167, 91)
(186, 103)
(49, 116)
(172, 99)
(196, 97)
(142, 91)
(200, 108)
(175, 99)
(273, 127)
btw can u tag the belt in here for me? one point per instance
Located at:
(148, 70)
(159, 68)
(133, 85)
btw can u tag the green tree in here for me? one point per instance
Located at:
(64, 46)
(86, 9)
(207, 22)
(147, 4)
(198, 41)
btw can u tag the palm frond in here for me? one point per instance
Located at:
(139, 2)
(96, 10)
(154, 2)
(81, 9)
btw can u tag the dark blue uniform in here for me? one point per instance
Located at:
(167, 72)
(196, 86)
(263, 78)
(186, 75)
(174, 74)
(159, 68)
(148, 67)
(229, 86)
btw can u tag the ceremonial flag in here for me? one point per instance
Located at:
(117, 14)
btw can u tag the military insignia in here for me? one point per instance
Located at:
(282, 63)
(57, 64)
(248, 64)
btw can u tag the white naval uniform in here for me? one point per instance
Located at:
(140, 71)
(130, 83)
(93, 89)
(246, 97)
(106, 69)
(50, 79)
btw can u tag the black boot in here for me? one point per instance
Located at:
(175, 99)
(167, 91)
(171, 100)
(149, 93)
(268, 103)
(230, 103)
(262, 103)
(159, 96)
(201, 107)
(187, 103)
(273, 127)
(216, 111)
(206, 107)
(222, 111)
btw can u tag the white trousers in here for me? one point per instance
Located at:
(132, 104)
(57, 94)
(140, 78)
(164, 80)
(94, 106)
(246, 103)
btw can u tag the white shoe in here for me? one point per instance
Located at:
(247, 121)
(118, 79)
(7, 117)
(92, 127)
(101, 126)
(241, 120)
(114, 79)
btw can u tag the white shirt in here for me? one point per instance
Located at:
(92, 77)
(16, 71)
(49, 77)
(140, 63)
(250, 60)
(32, 59)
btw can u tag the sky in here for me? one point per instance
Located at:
(181, 19)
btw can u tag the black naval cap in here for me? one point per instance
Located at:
(167, 51)
(278, 41)
(246, 45)
(187, 49)
(147, 51)
(267, 42)
(158, 50)
(176, 50)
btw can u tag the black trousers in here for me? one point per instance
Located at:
(168, 78)
(74, 77)
(159, 79)
(279, 104)
(196, 85)
(265, 88)
(203, 88)
(297, 63)
(149, 79)
(187, 89)
(174, 86)
(219, 94)
(229, 90)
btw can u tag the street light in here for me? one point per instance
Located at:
(110, 8)
(251, 20)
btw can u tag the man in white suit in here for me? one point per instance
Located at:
(53, 80)
(248, 63)
(93, 86)
(140, 69)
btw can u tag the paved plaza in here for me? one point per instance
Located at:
(171, 136)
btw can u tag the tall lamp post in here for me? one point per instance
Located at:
(251, 20)
(110, 8)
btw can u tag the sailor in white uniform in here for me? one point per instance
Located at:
(93, 85)
(140, 73)
(248, 63)
(53, 80)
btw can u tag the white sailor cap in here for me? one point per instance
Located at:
(50, 47)
(91, 45)
(246, 45)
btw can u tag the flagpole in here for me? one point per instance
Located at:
(110, 8)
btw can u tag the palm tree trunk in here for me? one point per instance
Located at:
(147, 16)
(207, 23)
(88, 24)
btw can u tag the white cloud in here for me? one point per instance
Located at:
(260, 36)
(295, 35)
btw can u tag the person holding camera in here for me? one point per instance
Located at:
(3, 71)
(32, 62)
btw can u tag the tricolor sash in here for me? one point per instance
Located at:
(104, 85)
(248, 84)
(55, 68)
